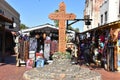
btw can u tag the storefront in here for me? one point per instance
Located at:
(3, 33)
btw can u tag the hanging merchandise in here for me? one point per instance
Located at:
(44, 36)
(118, 55)
(26, 50)
(32, 48)
(53, 46)
(102, 37)
(110, 55)
(87, 34)
(47, 49)
(33, 44)
(118, 62)
(21, 49)
(119, 38)
(37, 36)
(50, 34)
(48, 38)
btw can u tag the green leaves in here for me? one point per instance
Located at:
(61, 55)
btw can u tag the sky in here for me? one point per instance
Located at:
(35, 12)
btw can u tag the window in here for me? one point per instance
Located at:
(106, 17)
(101, 19)
(1, 12)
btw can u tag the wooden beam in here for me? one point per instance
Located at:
(5, 19)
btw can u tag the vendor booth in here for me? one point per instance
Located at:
(38, 42)
(104, 41)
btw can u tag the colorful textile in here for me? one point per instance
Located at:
(54, 47)
(47, 49)
(102, 38)
(33, 44)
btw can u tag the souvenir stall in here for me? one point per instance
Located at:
(104, 42)
(72, 45)
(43, 43)
(43, 46)
(70, 42)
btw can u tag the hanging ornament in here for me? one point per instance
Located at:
(37, 36)
(44, 36)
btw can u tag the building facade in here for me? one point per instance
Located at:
(9, 12)
(109, 11)
(8, 16)
(92, 9)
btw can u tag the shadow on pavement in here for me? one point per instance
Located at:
(9, 60)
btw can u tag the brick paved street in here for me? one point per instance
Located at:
(106, 75)
(109, 75)
(8, 71)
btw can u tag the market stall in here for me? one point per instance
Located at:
(103, 41)
(41, 43)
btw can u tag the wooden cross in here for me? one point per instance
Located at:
(62, 16)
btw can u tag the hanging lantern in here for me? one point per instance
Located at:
(13, 33)
(44, 36)
(37, 36)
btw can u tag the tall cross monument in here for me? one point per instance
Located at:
(62, 16)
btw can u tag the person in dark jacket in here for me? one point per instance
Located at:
(86, 54)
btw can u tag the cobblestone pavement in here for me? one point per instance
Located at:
(8, 71)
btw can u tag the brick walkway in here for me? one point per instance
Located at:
(106, 75)
(8, 71)
(109, 75)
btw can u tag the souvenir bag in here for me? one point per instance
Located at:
(30, 63)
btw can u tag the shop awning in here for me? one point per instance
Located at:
(41, 28)
(109, 25)
(5, 19)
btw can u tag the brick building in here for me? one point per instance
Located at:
(9, 12)
(92, 9)
(106, 11)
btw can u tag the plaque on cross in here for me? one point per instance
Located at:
(62, 16)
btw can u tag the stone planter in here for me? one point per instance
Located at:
(61, 69)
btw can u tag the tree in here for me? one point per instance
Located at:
(70, 28)
(56, 22)
(76, 29)
(23, 26)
